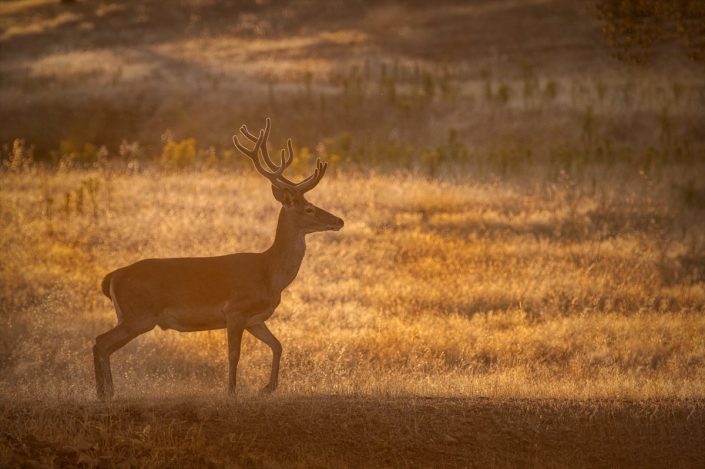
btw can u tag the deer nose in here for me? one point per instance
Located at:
(338, 224)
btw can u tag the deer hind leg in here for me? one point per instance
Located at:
(262, 332)
(105, 345)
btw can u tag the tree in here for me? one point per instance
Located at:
(632, 27)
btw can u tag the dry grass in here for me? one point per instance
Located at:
(542, 288)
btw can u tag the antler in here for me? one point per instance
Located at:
(261, 142)
(265, 153)
(274, 172)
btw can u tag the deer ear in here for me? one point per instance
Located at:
(285, 196)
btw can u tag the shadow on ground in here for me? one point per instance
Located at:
(339, 431)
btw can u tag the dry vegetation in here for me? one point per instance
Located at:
(542, 288)
(520, 280)
(547, 289)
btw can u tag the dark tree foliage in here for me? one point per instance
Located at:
(632, 27)
(690, 23)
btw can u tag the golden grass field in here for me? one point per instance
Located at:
(521, 277)
(547, 308)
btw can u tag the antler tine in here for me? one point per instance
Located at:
(265, 153)
(308, 179)
(243, 149)
(287, 161)
(312, 181)
(253, 155)
(301, 186)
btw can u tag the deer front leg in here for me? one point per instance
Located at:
(262, 332)
(235, 326)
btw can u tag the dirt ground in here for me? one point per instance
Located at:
(339, 431)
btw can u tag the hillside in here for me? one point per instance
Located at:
(500, 73)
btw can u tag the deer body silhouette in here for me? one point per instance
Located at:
(236, 292)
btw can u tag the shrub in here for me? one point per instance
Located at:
(73, 155)
(453, 151)
(178, 155)
(550, 90)
(504, 94)
(19, 157)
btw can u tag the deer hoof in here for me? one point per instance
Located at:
(269, 388)
(105, 396)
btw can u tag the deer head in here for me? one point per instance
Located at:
(306, 217)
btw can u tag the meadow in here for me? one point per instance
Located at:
(539, 293)
(521, 276)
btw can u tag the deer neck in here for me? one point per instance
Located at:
(286, 254)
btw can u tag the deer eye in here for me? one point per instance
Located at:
(309, 210)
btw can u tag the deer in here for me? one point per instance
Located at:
(235, 292)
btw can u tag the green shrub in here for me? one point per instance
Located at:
(301, 164)
(178, 155)
(504, 94)
(398, 153)
(453, 151)
(550, 90)
(341, 146)
(73, 155)
(19, 157)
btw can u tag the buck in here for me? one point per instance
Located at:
(236, 292)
